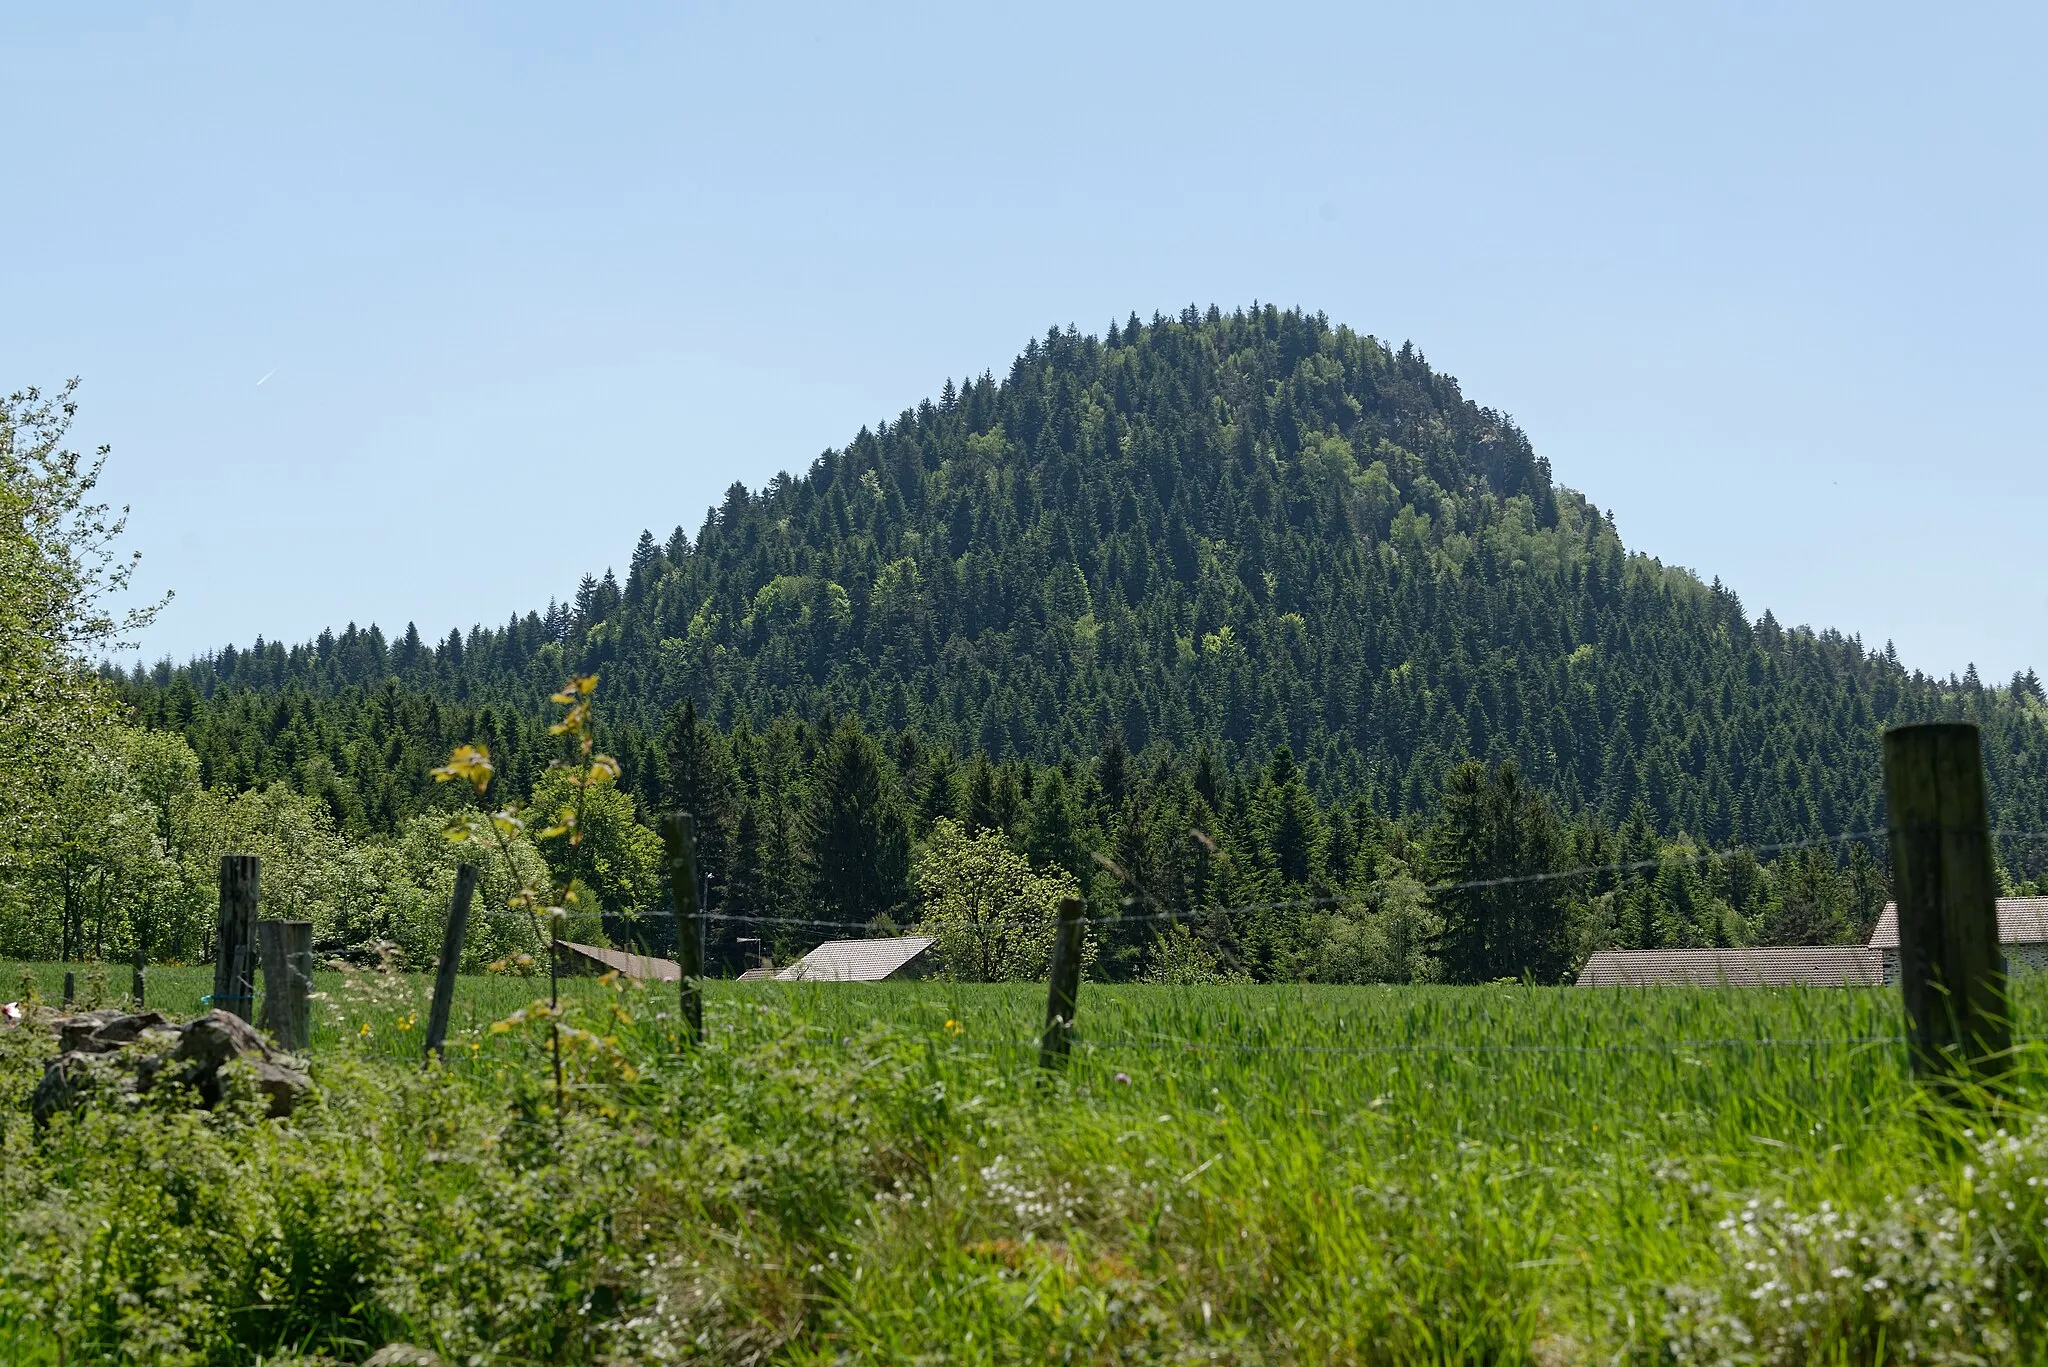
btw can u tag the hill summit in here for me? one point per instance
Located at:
(1242, 530)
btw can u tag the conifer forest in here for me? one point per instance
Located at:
(1241, 617)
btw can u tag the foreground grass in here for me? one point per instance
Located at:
(845, 1173)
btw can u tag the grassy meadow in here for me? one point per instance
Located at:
(879, 1173)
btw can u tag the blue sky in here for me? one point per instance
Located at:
(1765, 280)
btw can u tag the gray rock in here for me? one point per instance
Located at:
(65, 1081)
(97, 1056)
(212, 1041)
(74, 1030)
(214, 1038)
(283, 1086)
(102, 1032)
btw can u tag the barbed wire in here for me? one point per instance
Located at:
(967, 1040)
(1667, 1046)
(1354, 899)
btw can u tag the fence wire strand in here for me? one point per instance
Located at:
(1103, 1045)
(1198, 914)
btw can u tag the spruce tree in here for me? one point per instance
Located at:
(859, 855)
(1289, 821)
(941, 798)
(698, 778)
(1492, 842)
(981, 797)
(1113, 772)
(1051, 837)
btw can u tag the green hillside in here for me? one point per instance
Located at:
(1253, 586)
(1250, 529)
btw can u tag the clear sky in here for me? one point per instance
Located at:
(419, 312)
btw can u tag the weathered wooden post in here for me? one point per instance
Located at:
(135, 986)
(70, 989)
(679, 845)
(1063, 986)
(234, 967)
(270, 962)
(286, 949)
(451, 959)
(1951, 969)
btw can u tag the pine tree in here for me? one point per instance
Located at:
(859, 853)
(1113, 772)
(1810, 903)
(941, 798)
(699, 778)
(1208, 781)
(1052, 839)
(981, 797)
(1493, 840)
(641, 570)
(1289, 821)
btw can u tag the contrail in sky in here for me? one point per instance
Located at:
(273, 370)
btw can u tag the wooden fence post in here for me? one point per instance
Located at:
(270, 962)
(1951, 969)
(451, 959)
(286, 949)
(679, 845)
(136, 985)
(70, 989)
(234, 968)
(1063, 986)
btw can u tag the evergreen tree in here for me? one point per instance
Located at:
(1113, 772)
(642, 569)
(941, 798)
(1052, 838)
(699, 779)
(1289, 821)
(1810, 904)
(859, 841)
(747, 892)
(1493, 841)
(981, 797)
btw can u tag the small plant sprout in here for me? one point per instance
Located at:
(585, 769)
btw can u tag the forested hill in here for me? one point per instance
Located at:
(1248, 529)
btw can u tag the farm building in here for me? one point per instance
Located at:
(2022, 931)
(864, 961)
(597, 959)
(835, 961)
(1777, 966)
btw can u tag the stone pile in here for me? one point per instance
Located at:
(129, 1054)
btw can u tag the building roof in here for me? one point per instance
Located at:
(630, 965)
(2021, 921)
(1774, 966)
(754, 975)
(856, 961)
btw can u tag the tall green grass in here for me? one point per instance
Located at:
(1255, 1173)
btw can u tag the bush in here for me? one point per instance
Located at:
(992, 914)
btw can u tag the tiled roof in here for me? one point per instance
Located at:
(754, 975)
(1774, 966)
(631, 965)
(856, 961)
(2021, 921)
